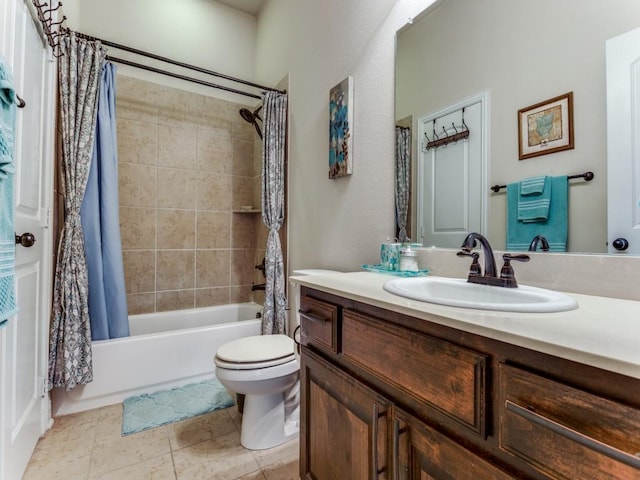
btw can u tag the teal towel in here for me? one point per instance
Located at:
(555, 228)
(534, 199)
(7, 233)
(533, 185)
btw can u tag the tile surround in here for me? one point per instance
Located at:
(186, 161)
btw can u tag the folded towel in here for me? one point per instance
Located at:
(555, 228)
(7, 233)
(534, 199)
(533, 185)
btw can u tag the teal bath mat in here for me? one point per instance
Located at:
(160, 408)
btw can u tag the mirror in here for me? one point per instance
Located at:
(520, 53)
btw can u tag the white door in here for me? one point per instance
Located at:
(623, 143)
(24, 404)
(452, 188)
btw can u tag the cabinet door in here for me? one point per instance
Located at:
(345, 425)
(422, 453)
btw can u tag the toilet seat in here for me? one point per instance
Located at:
(259, 351)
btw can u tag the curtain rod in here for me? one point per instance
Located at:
(179, 64)
(182, 77)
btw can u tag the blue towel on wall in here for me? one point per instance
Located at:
(534, 199)
(7, 233)
(533, 185)
(555, 228)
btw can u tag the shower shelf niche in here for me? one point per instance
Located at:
(253, 210)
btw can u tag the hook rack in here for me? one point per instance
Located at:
(51, 29)
(439, 140)
(588, 176)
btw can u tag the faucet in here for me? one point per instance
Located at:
(259, 286)
(507, 276)
(543, 242)
(262, 267)
(489, 260)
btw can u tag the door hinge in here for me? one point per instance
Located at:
(44, 390)
(47, 219)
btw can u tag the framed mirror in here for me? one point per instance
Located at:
(518, 54)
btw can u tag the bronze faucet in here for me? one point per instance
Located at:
(507, 276)
(544, 243)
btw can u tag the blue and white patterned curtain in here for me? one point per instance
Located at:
(403, 179)
(274, 319)
(70, 333)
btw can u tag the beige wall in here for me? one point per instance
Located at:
(187, 163)
(204, 33)
(521, 57)
(340, 223)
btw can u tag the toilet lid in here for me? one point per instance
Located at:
(258, 349)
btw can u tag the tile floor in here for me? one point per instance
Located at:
(89, 446)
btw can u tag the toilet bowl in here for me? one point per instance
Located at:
(265, 369)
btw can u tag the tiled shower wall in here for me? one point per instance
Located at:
(187, 163)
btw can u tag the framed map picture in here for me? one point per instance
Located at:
(546, 127)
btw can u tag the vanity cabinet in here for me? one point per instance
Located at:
(566, 432)
(346, 424)
(421, 452)
(388, 396)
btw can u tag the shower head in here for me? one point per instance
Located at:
(247, 115)
(252, 118)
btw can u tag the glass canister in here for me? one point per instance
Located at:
(408, 259)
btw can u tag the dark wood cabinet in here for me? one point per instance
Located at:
(345, 425)
(389, 396)
(421, 452)
(565, 432)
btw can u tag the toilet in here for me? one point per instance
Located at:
(266, 370)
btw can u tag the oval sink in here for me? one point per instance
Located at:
(456, 292)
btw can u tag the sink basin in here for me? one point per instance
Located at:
(456, 292)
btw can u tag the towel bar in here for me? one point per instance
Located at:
(588, 176)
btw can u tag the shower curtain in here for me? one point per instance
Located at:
(70, 332)
(274, 319)
(403, 179)
(100, 222)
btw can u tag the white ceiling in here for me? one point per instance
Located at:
(252, 7)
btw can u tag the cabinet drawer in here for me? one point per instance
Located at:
(446, 377)
(319, 323)
(565, 432)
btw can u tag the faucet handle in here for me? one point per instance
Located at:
(507, 273)
(474, 269)
(518, 258)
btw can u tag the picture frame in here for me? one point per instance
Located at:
(546, 127)
(341, 129)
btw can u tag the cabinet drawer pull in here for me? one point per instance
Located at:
(574, 436)
(395, 447)
(313, 317)
(375, 471)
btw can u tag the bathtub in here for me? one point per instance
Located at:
(165, 350)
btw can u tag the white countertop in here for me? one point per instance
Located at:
(603, 332)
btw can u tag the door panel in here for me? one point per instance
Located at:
(623, 141)
(24, 407)
(452, 178)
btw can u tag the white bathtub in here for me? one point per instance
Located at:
(165, 349)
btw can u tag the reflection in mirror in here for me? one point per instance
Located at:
(521, 53)
(403, 181)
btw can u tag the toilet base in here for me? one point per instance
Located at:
(264, 424)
